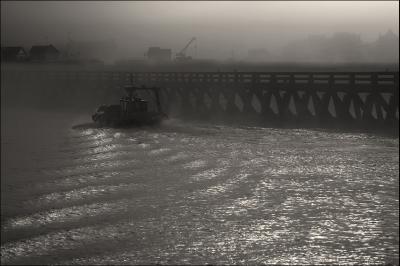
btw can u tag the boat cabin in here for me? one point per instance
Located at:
(132, 110)
(131, 105)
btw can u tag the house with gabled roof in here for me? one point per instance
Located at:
(44, 53)
(13, 54)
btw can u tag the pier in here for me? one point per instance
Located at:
(355, 99)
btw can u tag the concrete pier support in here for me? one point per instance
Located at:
(301, 99)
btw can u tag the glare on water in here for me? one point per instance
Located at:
(187, 193)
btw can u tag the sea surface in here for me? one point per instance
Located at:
(193, 193)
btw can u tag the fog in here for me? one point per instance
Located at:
(224, 30)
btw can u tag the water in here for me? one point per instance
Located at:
(188, 193)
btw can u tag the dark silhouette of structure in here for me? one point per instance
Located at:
(44, 53)
(181, 56)
(359, 100)
(13, 54)
(157, 55)
(132, 110)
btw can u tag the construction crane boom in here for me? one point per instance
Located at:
(183, 51)
(181, 56)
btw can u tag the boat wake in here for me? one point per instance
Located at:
(89, 125)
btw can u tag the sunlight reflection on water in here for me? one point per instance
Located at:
(196, 194)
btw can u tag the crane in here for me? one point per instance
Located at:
(181, 56)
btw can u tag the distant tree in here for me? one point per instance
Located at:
(345, 47)
(341, 47)
(385, 48)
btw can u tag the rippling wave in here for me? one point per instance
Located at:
(186, 193)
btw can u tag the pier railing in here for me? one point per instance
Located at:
(331, 78)
(321, 97)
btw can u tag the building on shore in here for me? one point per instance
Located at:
(158, 55)
(44, 53)
(13, 54)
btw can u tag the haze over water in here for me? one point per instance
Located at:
(223, 29)
(188, 192)
(194, 193)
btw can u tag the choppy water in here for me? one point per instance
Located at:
(194, 193)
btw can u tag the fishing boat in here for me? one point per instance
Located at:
(131, 110)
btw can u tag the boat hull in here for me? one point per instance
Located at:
(132, 120)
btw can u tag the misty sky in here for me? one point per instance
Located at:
(220, 27)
